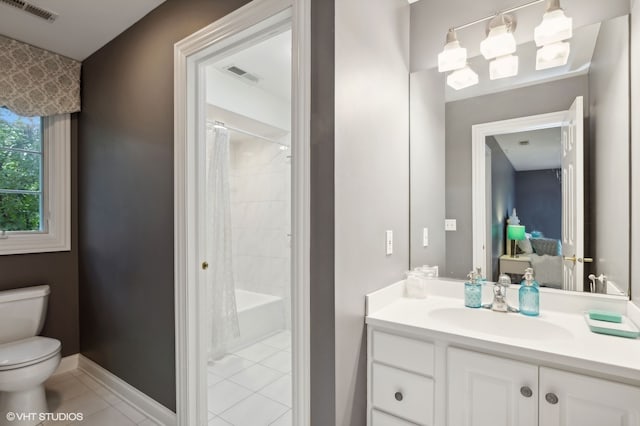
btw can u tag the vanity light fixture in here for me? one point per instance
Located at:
(551, 36)
(500, 40)
(555, 25)
(453, 57)
(503, 67)
(553, 55)
(500, 45)
(462, 78)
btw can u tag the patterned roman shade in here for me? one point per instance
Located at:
(36, 82)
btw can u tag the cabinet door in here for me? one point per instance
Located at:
(568, 399)
(485, 390)
(379, 418)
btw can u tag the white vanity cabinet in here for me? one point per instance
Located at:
(401, 385)
(586, 401)
(406, 374)
(490, 390)
(485, 390)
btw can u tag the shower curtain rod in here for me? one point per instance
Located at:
(221, 124)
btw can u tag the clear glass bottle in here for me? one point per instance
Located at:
(473, 291)
(529, 295)
(416, 285)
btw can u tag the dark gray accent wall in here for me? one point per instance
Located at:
(126, 197)
(58, 269)
(503, 200)
(539, 201)
(460, 116)
(322, 261)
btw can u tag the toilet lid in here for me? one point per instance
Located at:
(27, 351)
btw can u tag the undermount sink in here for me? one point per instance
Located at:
(510, 325)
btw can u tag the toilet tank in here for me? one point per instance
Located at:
(22, 312)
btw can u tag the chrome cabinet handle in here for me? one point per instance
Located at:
(398, 396)
(526, 391)
(551, 398)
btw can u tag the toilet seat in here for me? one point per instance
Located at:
(25, 352)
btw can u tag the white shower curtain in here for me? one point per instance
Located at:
(221, 299)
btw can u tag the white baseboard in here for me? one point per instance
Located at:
(140, 401)
(68, 363)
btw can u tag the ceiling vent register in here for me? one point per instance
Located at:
(239, 72)
(32, 9)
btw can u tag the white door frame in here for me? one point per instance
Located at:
(190, 349)
(479, 134)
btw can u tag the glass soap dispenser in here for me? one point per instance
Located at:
(473, 291)
(529, 295)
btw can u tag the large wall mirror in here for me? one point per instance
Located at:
(531, 170)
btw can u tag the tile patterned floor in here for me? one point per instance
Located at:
(252, 386)
(76, 392)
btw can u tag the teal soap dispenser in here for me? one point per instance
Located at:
(473, 291)
(529, 295)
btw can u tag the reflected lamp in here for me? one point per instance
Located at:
(515, 233)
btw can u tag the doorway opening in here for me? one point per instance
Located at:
(242, 218)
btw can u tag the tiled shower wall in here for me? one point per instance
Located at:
(261, 219)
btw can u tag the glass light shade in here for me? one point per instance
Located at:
(553, 55)
(503, 67)
(462, 78)
(515, 232)
(499, 42)
(555, 27)
(453, 57)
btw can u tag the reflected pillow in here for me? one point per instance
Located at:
(548, 246)
(525, 246)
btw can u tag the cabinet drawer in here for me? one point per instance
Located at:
(403, 394)
(408, 354)
(379, 418)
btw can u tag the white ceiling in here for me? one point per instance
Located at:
(543, 151)
(270, 60)
(82, 27)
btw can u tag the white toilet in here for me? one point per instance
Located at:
(26, 359)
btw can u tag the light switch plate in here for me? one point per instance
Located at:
(389, 243)
(425, 237)
(450, 225)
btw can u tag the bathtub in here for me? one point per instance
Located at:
(259, 315)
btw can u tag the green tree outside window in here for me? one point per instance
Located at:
(20, 172)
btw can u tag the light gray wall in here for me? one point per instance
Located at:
(503, 200)
(460, 116)
(635, 147)
(609, 177)
(371, 177)
(427, 167)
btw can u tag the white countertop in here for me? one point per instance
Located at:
(579, 349)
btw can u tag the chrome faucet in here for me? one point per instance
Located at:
(500, 303)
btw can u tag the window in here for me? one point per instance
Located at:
(34, 183)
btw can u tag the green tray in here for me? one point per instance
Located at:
(626, 328)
